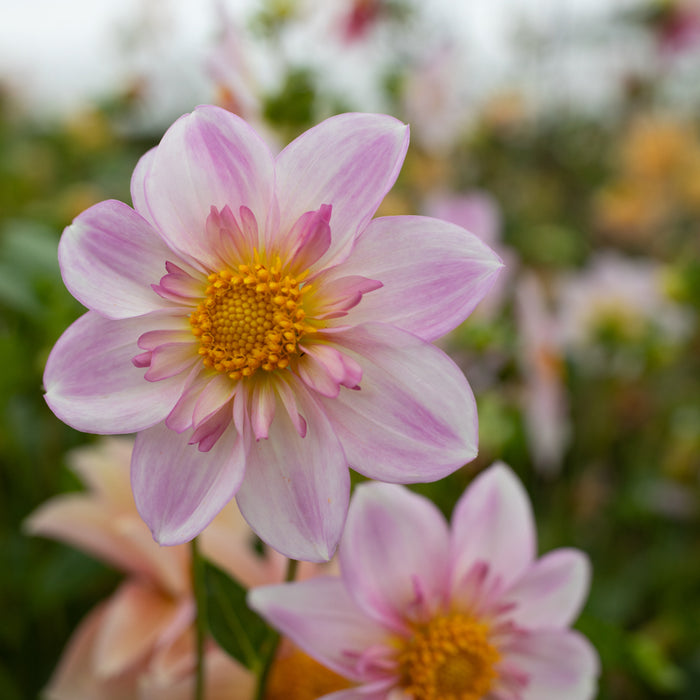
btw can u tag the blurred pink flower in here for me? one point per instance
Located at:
(618, 293)
(435, 102)
(677, 26)
(290, 336)
(360, 17)
(140, 642)
(542, 365)
(422, 612)
(228, 64)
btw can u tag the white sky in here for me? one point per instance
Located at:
(56, 53)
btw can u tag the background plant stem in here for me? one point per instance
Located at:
(273, 640)
(200, 617)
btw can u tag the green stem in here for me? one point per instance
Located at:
(200, 616)
(272, 642)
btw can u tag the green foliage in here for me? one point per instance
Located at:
(237, 629)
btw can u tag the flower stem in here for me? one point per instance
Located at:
(200, 616)
(272, 642)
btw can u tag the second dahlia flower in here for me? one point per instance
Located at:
(261, 332)
(422, 612)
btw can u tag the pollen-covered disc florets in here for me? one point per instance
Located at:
(251, 318)
(450, 658)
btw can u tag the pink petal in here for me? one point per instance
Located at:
(263, 399)
(296, 490)
(231, 241)
(372, 691)
(207, 158)
(321, 618)
(308, 240)
(181, 418)
(208, 431)
(109, 258)
(138, 184)
(217, 393)
(559, 664)
(349, 161)
(181, 283)
(394, 554)
(92, 385)
(178, 489)
(493, 524)
(552, 591)
(287, 398)
(325, 369)
(171, 359)
(414, 417)
(134, 619)
(433, 273)
(340, 294)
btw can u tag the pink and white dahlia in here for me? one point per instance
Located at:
(260, 332)
(424, 613)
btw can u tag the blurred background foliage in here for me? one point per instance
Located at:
(585, 360)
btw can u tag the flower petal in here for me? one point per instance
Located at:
(86, 525)
(433, 273)
(138, 184)
(325, 369)
(308, 239)
(109, 258)
(321, 618)
(75, 676)
(394, 554)
(339, 294)
(178, 489)
(170, 359)
(558, 663)
(373, 691)
(91, 383)
(296, 490)
(207, 158)
(414, 417)
(135, 617)
(493, 523)
(552, 591)
(349, 161)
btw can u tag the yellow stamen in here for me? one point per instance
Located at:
(250, 319)
(450, 658)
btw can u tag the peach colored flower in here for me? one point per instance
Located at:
(140, 642)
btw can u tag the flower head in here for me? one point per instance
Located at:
(140, 642)
(426, 613)
(261, 333)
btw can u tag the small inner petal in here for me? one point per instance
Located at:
(252, 318)
(449, 658)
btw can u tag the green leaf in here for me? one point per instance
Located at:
(237, 629)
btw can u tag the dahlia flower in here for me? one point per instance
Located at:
(140, 642)
(260, 332)
(426, 613)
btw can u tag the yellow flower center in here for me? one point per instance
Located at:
(450, 658)
(250, 319)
